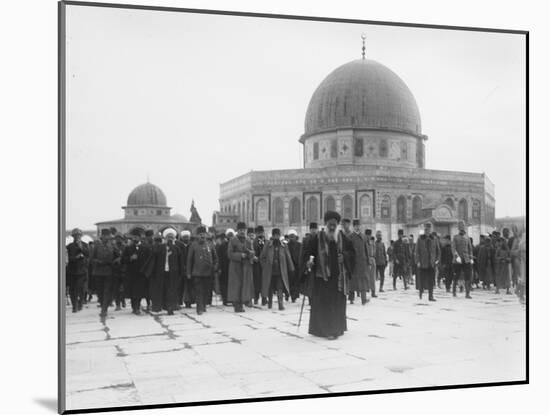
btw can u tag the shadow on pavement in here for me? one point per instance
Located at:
(48, 403)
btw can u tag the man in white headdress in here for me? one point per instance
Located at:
(165, 269)
(186, 293)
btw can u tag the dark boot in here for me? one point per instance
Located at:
(364, 297)
(280, 301)
(431, 295)
(468, 288)
(454, 288)
(270, 301)
(264, 301)
(420, 292)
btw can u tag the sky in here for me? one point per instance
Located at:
(190, 101)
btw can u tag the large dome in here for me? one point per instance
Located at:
(147, 195)
(362, 94)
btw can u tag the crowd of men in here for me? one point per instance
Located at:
(246, 268)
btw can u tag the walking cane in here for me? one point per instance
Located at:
(301, 312)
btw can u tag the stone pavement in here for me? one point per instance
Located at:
(395, 341)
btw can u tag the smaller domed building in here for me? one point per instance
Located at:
(145, 209)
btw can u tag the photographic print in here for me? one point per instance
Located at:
(259, 207)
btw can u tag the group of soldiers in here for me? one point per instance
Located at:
(246, 268)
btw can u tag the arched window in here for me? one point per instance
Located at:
(358, 148)
(365, 207)
(330, 204)
(417, 207)
(261, 210)
(278, 210)
(476, 209)
(463, 210)
(450, 202)
(312, 209)
(383, 149)
(401, 209)
(385, 207)
(294, 211)
(347, 207)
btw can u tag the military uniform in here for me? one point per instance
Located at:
(77, 272)
(202, 262)
(102, 258)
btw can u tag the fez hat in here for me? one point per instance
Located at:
(368, 232)
(201, 229)
(275, 231)
(356, 222)
(149, 232)
(346, 220)
(76, 231)
(105, 232)
(259, 229)
(428, 225)
(119, 236)
(157, 238)
(113, 230)
(400, 232)
(241, 225)
(169, 231)
(313, 225)
(135, 232)
(330, 214)
(228, 231)
(249, 230)
(185, 233)
(292, 232)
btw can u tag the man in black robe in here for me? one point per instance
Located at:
(295, 250)
(164, 269)
(223, 264)
(185, 290)
(119, 273)
(330, 284)
(259, 243)
(135, 256)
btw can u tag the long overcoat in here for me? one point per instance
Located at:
(484, 268)
(359, 273)
(502, 277)
(266, 259)
(240, 284)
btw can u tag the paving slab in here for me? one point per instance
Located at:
(394, 341)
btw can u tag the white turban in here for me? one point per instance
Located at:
(169, 231)
(292, 232)
(227, 232)
(185, 233)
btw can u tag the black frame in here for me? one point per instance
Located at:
(61, 199)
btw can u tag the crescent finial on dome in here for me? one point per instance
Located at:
(363, 37)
